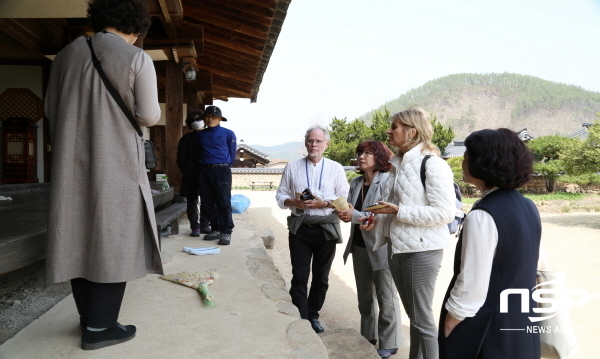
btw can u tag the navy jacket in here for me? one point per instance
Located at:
(216, 145)
(514, 266)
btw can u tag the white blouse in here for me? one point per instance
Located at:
(479, 242)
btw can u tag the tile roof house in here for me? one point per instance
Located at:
(457, 148)
(249, 157)
(581, 133)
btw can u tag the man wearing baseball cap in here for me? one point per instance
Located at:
(217, 150)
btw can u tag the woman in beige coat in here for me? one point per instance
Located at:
(102, 230)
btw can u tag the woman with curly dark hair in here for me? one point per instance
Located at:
(498, 249)
(102, 229)
(374, 282)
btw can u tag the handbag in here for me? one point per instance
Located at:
(562, 343)
(150, 155)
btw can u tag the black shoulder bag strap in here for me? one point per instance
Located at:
(423, 169)
(112, 90)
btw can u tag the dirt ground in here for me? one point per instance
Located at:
(571, 241)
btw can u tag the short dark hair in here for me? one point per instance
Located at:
(192, 116)
(499, 158)
(381, 153)
(127, 16)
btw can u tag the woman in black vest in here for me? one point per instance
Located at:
(498, 249)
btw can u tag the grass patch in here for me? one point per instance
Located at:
(469, 200)
(562, 196)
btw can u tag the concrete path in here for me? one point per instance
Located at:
(253, 319)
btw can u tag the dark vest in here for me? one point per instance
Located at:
(514, 266)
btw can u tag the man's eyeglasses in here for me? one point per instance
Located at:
(318, 142)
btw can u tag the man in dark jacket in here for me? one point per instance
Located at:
(187, 161)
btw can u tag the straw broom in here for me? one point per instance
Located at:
(196, 280)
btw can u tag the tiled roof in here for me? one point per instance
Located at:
(252, 150)
(581, 134)
(454, 149)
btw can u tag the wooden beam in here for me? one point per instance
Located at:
(229, 63)
(234, 10)
(227, 74)
(203, 81)
(21, 34)
(222, 51)
(191, 99)
(262, 8)
(226, 40)
(259, 31)
(207, 98)
(224, 86)
(184, 48)
(173, 126)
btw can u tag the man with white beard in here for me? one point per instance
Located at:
(307, 188)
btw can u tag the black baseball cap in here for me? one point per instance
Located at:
(214, 110)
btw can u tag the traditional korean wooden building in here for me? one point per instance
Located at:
(249, 157)
(202, 50)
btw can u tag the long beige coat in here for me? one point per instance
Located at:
(101, 225)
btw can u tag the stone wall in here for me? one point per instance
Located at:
(538, 185)
(245, 179)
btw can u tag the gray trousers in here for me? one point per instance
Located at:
(415, 275)
(376, 288)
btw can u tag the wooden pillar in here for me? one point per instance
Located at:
(46, 154)
(191, 99)
(174, 121)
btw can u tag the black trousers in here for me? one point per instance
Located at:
(98, 304)
(192, 214)
(215, 192)
(309, 244)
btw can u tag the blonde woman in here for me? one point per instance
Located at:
(413, 220)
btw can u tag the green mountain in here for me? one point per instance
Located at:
(470, 102)
(287, 151)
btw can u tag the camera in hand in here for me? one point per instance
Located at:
(306, 195)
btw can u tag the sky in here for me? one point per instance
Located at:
(344, 58)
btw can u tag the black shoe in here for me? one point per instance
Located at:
(225, 239)
(95, 340)
(205, 230)
(373, 341)
(214, 235)
(314, 323)
(195, 233)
